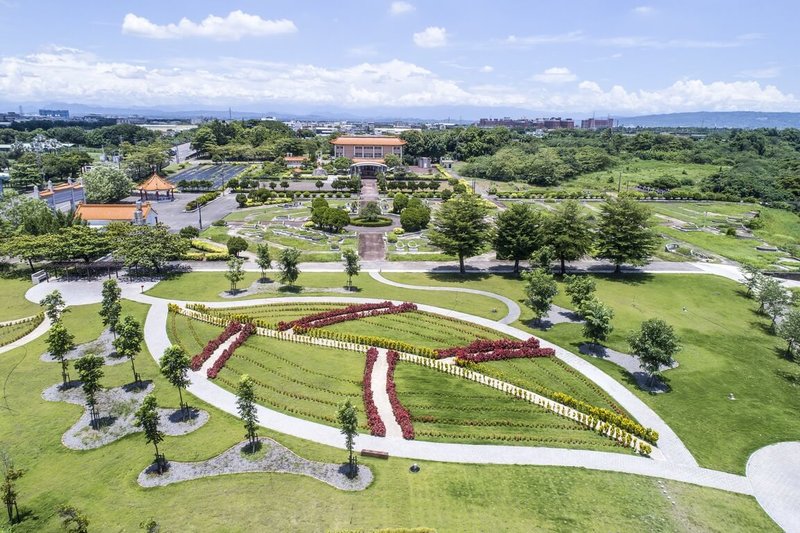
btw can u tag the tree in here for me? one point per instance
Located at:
(104, 185)
(348, 422)
(148, 246)
(272, 185)
(9, 488)
(461, 228)
(263, 259)
(111, 307)
(54, 306)
(284, 185)
(59, 343)
(236, 245)
(543, 258)
(241, 199)
(288, 264)
(752, 278)
(517, 233)
(392, 160)
(189, 232)
(568, 231)
(540, 289)
(351, 266)
(370, 211)
(147, 419)
(597, 320)
(73, 520)
(246, 406)
(774, 299)
(318, 184)
(399, 202)
(624, 233)
(174, 366)
(654, 344)
(235, 273)
(789, 330)
(580, 289)
(129, 342)
(415, 218)
(90, 371)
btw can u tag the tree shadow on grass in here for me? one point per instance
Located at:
(72, 384)
(454, 277)
(252, 448)
(627, 277)
(291, 289)
(761, 326)
(792, 378)
(136, 386)
(642, 381)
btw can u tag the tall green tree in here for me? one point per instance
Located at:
(104, 185)
(569, 232)
(288, 261)
(773, 298)
(148, 247)
(246, 407)
(654, 344)
(129, 342)
(461, 228)
(111, 305)
(147, 419)
(370, 211)
(348, 422)
(90, 371)
(54, 305)
(580, 289)
(59, 343)
(235, 273)
(263, 259)
(351, 266)
(518, 233)
(625, 233)
(174, 366)
(789, 330)
(597, 320)
(540, 289)
(236, 245)
(8, 491)
(399, 202)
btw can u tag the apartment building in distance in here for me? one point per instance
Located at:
(597, 123)
(552, 123)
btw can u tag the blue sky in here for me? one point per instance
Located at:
(550, 57)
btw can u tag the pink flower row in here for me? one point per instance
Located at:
(226, 354)
(351, 312)
(199, 359)
(482, 350)
(376, 425)
(400, 413)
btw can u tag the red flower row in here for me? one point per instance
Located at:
(351, 312)
(482, 350)
(247, 330)
(376, 425)
(199, 359)
(400, 413)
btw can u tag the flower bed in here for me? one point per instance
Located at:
(400, 413)
(482, 350)
(245, 332)
(199, 359)
(351, 312)
(376, 425)
(370, 340)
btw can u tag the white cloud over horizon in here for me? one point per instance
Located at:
(555, 75)
(401, 8)
(234, 26)
(431, 37)
(71, 75)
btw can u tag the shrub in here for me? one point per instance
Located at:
(201, 200)
(376, 425)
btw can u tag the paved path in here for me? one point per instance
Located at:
(381, 397)
(513, 309)
(40, 330)
(774, 472)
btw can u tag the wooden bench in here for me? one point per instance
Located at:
(375, 453)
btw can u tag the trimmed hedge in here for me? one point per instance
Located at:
(381, 222)
(201, 200)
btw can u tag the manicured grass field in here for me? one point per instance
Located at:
(207, 286)
(741, 250)
(275, 313)
(13, 332)
(727, 348)
(448, 497)
(13, 304)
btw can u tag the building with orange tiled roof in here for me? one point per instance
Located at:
(158, 187)
(367, 152)
(103, 214)
(294, 161)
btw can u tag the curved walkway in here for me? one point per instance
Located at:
(774, 472)
(513, 308)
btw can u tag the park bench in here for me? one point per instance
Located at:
(374, 453)
(39, 277)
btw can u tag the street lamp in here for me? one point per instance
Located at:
(200, 213)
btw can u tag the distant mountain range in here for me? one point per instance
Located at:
(454, 114)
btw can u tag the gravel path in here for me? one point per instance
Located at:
(272, 457)
(557, 315)
(381, 397)
(102, 347)
(629, 363)
(117, 407)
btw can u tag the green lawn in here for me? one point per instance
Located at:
(207, 286)
(451, 409)
(740, 250)
(448, 497)
(13, 304)
(12, 332)
(727, 348)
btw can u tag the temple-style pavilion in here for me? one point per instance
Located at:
(156, 188)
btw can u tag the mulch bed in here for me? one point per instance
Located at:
(102, 347)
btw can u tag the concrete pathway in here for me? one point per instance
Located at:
(203, 371)
(40, 330)
(513, 308)
(381, 397)
(774, 472)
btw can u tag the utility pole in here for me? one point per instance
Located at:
(200, 214)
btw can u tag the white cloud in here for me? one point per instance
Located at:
(644, 10)
(431, 37)
(533, 40)
(486, 69)
(556, 75)
(401, 8)
(233, 27)
(760, 73)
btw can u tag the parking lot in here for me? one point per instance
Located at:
(218, 174)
